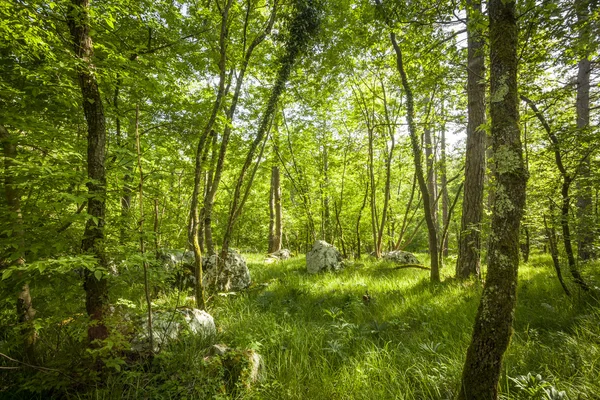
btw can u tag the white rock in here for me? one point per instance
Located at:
(401, 257)
(231, 275)
(323, 257)
(168, 326)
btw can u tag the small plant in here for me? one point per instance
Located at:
(533, 386)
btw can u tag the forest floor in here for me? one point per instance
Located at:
(320, 337)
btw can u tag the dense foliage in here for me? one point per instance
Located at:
(202, 102)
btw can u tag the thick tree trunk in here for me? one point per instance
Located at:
(275, 233)
(469, 247)
(584, 198)
(96, 289)
(493, 323)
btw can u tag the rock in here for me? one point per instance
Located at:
(323, 257)
(173, 259)
(231, 276)
(242, 367)
(283, 254)
(168, 326)
(401, 257)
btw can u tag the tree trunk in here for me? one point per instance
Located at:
(275, 233)
(362, 207)
(469, 247)
(417, 151)
(567, 179)
(96, 289)
(431, 176)
(584, 198)
(213, 186)
(303, 26)
(551, 236)
(444, 183)
(493, 323)
(25, 310)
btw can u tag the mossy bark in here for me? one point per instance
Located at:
(469, 248)
(96, 290)
(493, 323)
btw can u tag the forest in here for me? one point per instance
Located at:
(299, 199)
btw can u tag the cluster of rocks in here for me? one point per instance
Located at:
(241, 367)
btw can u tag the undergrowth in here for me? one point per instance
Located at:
(368, 332)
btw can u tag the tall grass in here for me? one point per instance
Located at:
(373, 332)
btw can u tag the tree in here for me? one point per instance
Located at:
(469, 249)
(95, 287)
(493, 322)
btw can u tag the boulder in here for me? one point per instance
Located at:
(168, 326)
(401, 257)
(172, 259)
(323, 257)
(232, 275)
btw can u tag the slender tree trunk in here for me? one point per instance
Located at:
(275, 234)
(417, 151)
(584, 198)
(567, 179)
(96, 289)
(141, 229)
(373, 195)
(469, 247)
(551, 236)
(358, 218)
(25, 310)
(388, 174)
(213, 186)
(431, 176)
(303, 26)
(493, 323)
(201, 153)
(444, 183)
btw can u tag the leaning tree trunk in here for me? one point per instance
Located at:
(416, 149)
(302, 28)
(584, 198)
(493, 323)
(469, 247)
(96, 289)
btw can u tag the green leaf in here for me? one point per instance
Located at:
(98, 274)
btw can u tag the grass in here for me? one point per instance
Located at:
(320, 339)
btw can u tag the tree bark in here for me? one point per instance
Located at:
(25, 310)
(584, 198)
(213, 185)
(96, 289)
(567, 179)
(469, 247)
(275, 233)
(417, 151)
(493, 323)
(444, 188)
